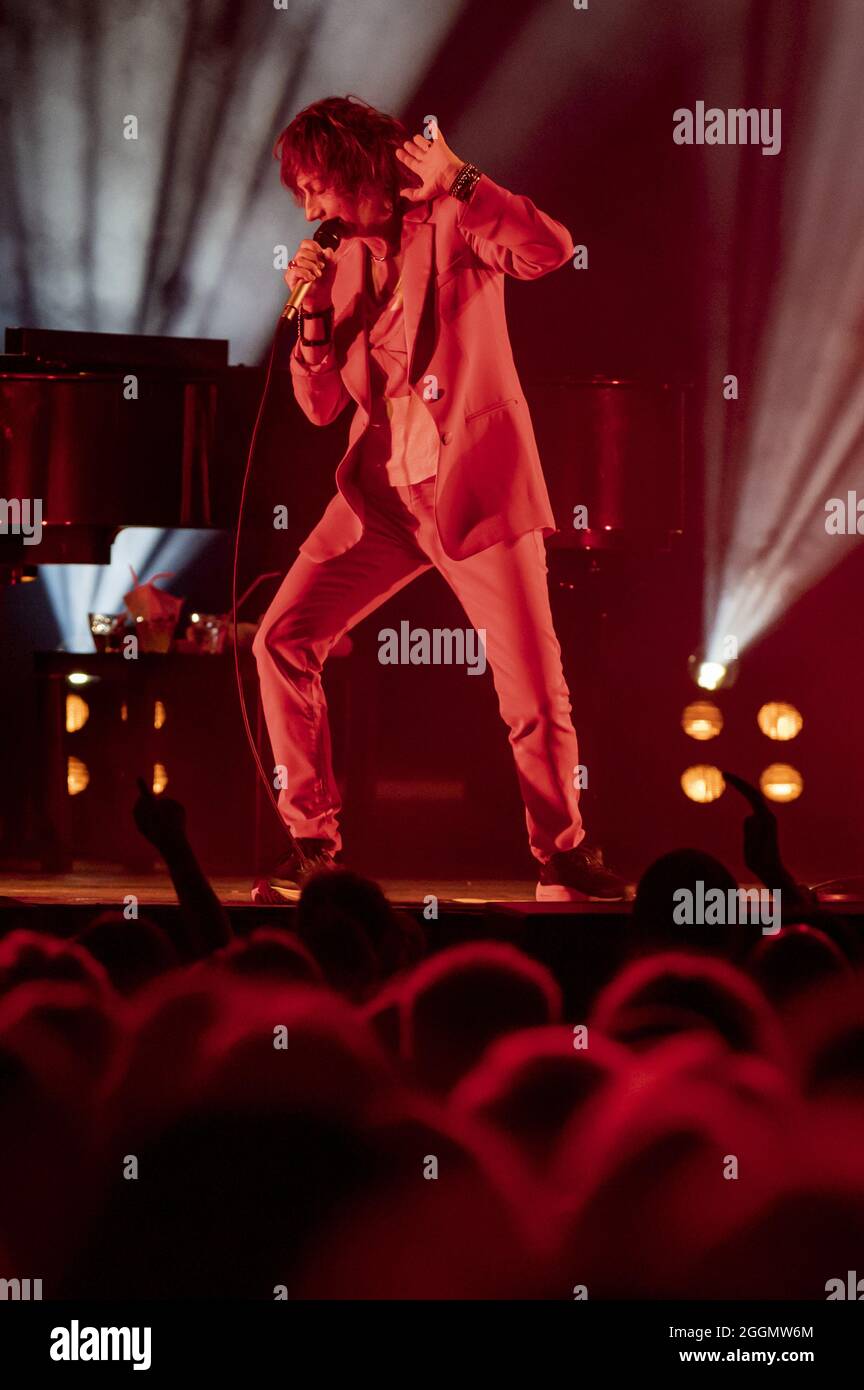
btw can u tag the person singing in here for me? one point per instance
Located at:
(406, 319)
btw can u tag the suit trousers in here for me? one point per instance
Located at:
(502, 589)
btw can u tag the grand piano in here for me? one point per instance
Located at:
(111, 430)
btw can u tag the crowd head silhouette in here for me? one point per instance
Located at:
(336, 1104)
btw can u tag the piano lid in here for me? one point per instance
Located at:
(153, 435)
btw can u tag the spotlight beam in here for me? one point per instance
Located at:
(807, 419)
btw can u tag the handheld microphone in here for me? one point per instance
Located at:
(329, 234)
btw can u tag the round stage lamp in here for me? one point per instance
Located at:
(77, 776)
(77, 713)
(703, 783)
(712, 674)
(702, 720)
(779, 720)
(780, 782)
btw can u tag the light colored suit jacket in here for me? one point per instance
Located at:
(489, 484)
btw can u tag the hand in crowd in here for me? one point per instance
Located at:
(762, 847)
(160, 820)
(761, 844)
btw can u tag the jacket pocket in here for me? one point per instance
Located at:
(487, 409)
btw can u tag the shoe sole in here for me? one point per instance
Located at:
(268, 895)
(559, 893)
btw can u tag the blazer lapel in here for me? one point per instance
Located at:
(417, 244)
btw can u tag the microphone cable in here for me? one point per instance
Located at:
(327, 234)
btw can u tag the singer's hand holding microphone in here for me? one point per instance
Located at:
(311, 269)
(313, 265)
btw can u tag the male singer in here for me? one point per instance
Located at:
(406, 319)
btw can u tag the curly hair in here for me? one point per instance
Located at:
(347, 143)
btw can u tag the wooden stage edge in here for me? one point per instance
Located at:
(100, 890)
(75, 898)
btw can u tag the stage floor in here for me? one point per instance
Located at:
(106, 887)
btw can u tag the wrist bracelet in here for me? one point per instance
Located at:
(304, 314)
(465, 182)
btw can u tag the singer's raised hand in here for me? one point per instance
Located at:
(434, 164)
(314, 265)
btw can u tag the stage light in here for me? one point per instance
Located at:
(77, 776)
(779, 721)
(79, 678)
(160, 779)
(779, 454)
(703, 783)
(711, 673)
(702, 720)
(780, 782)
(124, 712)
(77, 713)
(159, 715)
(10, 575)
